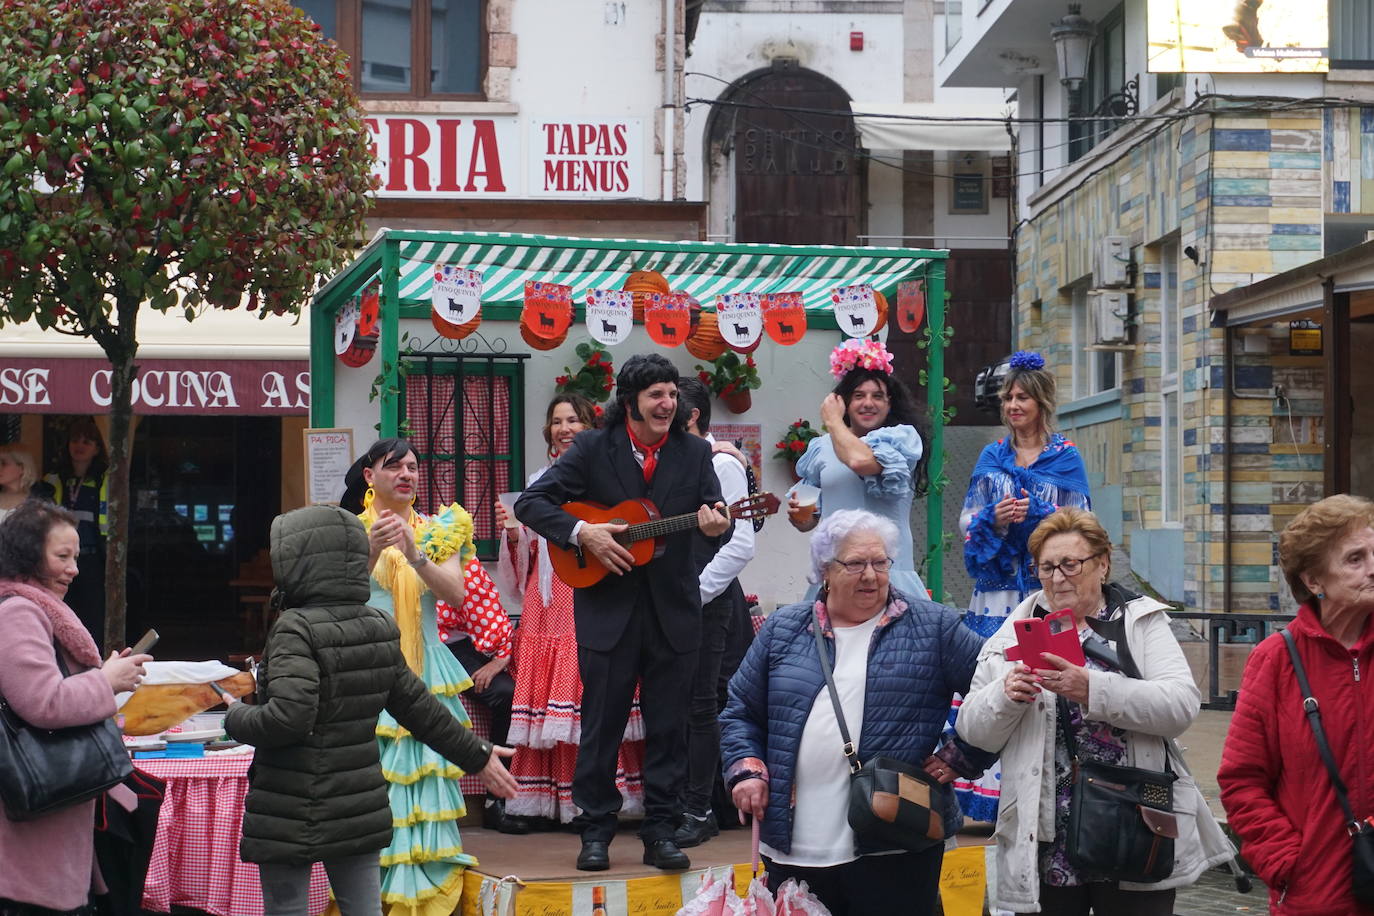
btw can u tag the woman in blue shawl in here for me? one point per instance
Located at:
(1017, 481)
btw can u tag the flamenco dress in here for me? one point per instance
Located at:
(546, 717)
(888, 493)
(999, 562)
(422, 869)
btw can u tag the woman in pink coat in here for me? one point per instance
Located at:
(48, 863)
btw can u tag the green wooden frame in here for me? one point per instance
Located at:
(382, 256)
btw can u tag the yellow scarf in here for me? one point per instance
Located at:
(439, 537)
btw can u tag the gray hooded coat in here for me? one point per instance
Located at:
(332, 663)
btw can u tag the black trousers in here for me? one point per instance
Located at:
(86, 594)
(644, 656)
(703, 714)
(1104, 897)
(901, 884)
(499, 693)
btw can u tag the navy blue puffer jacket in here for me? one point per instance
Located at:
(920, 656)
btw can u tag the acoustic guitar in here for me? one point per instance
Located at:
(644, 537)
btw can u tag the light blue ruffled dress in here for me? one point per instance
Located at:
(887, 493)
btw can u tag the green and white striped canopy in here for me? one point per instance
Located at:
(701, 269)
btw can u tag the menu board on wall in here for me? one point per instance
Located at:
(746, 436)
(328, 456)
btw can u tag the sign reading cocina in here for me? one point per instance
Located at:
(503, 156)
(163, 386)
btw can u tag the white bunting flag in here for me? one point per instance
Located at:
(456, 293)
(856, 311)
(739, 316)
(610, 315)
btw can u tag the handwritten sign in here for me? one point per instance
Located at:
(328, 456)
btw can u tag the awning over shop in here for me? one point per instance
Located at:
(932, 126)
(702, 269)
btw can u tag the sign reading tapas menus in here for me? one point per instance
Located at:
(163, 386)
(420, 155)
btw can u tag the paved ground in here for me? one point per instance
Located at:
(1215, 895)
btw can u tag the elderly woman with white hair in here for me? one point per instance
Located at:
(18, 473)
(898, 660)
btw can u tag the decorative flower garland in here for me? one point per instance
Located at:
(860, 354)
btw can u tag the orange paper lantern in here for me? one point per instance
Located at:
(706, 342)
(881, 301)
(644, 281)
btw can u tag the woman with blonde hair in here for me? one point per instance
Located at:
(1018, 481)
(18, 474)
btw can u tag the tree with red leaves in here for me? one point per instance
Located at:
(186, 155)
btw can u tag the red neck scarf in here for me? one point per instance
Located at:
(650, 452)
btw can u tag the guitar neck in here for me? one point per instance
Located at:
(659, 527)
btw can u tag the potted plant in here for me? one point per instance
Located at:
(731, 379)
(793, 443)
(594, 380)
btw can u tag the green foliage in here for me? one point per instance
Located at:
(176, 154)
(793, 443)
(594, 379)
(729, 373)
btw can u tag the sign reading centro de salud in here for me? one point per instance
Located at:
(1226, 36)
(491, 156)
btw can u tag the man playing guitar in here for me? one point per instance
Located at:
(642, 624)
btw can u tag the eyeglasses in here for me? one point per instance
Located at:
(1069, 567)
(856, 567)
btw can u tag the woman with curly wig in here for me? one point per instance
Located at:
(871, 456)
(1018, 481)
(415, 559)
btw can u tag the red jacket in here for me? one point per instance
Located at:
(1273, 784)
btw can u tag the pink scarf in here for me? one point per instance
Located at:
(70, 633)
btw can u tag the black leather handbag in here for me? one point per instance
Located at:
(892, 804)
(44, 770)
(1361, 831)
(1121, 819)
(1122, 824)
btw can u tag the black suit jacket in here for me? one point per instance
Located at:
(601, 468)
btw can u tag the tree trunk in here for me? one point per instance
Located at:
(121, 355)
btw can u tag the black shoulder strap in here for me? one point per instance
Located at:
(1314, 719)
(851, 753)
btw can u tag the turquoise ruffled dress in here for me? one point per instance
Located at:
(423, 866)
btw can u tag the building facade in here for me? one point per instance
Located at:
(1141, 199)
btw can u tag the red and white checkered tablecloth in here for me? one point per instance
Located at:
(196, 854)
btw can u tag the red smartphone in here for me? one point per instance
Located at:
(1056, 633)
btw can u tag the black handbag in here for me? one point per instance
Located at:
(44, 770)
(1122, 824)
(892, 804)
(1361, 832)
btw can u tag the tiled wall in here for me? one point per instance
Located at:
(1247, 192)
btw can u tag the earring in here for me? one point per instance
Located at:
(1320, 595)
(369, 496)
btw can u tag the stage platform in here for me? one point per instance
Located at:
(535, 875)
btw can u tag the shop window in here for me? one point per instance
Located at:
(11, 428)
(1170, 438)
(465, 418)
(1094, 371)
(409, 48)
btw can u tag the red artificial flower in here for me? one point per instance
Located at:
(561, 380)
(798, 446)
(705, 377)
(781, 445)
(728, 389)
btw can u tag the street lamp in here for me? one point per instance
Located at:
(1073, 41)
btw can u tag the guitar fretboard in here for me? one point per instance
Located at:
(660, 527)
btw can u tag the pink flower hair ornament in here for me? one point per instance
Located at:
(860, 353)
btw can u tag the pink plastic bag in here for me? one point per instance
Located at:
(795, 899)
(713, 898)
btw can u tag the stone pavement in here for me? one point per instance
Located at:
(1215, 894)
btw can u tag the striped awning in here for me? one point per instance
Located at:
(701, 269)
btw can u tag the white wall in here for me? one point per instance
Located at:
(731, 45)
(795, 380)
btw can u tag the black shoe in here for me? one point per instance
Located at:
(596, 856)
(494, 817)
(695, 830)
(665, 854)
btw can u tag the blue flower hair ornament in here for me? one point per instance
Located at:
(1027, 359)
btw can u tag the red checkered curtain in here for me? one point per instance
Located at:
(461, 468)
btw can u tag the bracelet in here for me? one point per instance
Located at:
(742, 775)
(419, 562)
